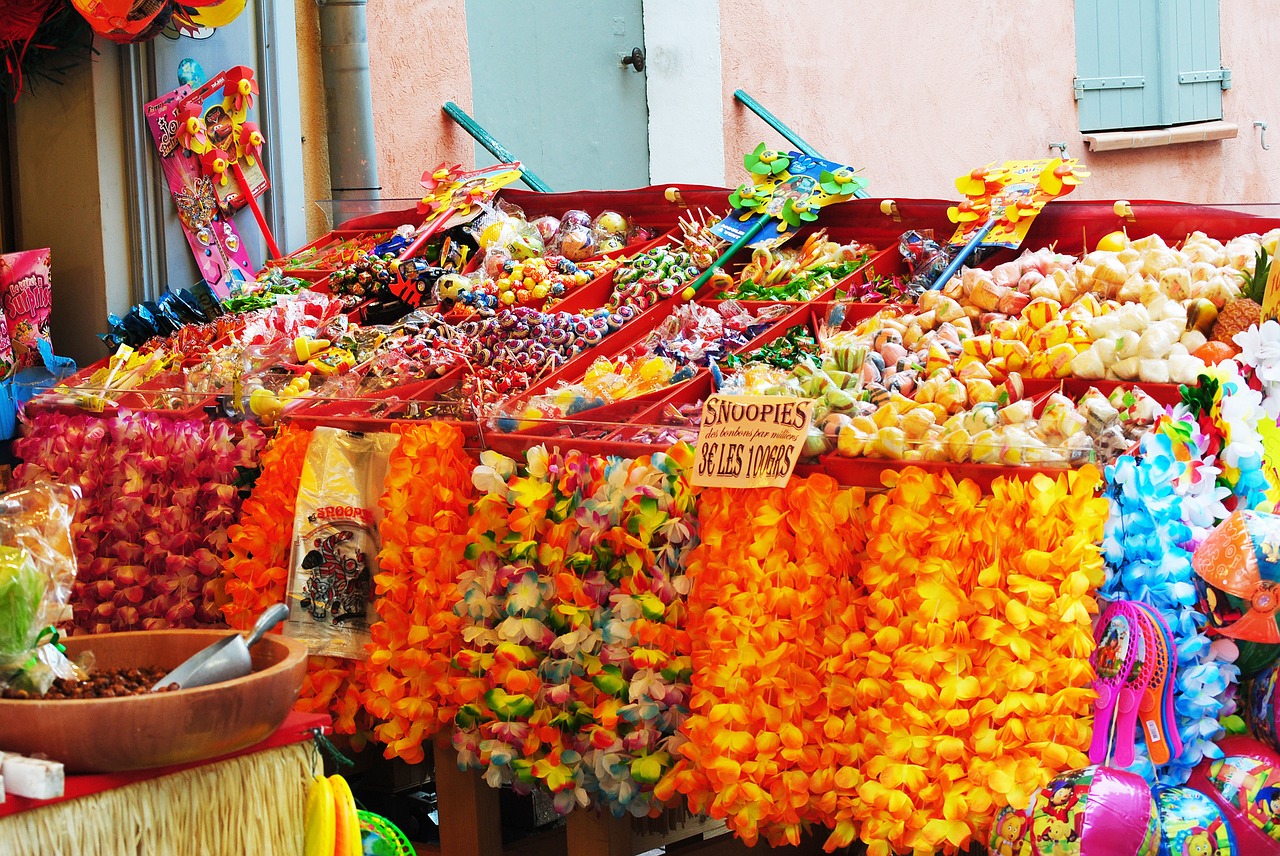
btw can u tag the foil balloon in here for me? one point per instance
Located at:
(1255, 657)
(1260, 702)
(1191, 824)
(1245, 784)
(1239, 570)
(193, 16)
(1097, 811)
(125, 21)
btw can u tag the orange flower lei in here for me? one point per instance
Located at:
(771, 609)
(903, 697)
(973, 672)
(257, 575)
(424, 537)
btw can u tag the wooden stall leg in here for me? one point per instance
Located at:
(592, 833)
(468, 808)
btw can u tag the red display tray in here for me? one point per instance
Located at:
(515, 445)
(354, 414)
(1164, 393)
(868, 472)
(325, 241)
(590, 295)
(603, 420)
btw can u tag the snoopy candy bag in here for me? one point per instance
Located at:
(335, 541)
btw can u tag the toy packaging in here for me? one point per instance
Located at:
(335, 547)
(27, 296)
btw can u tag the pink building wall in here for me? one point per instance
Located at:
(916, 95)
(417, 61)
(913, 92)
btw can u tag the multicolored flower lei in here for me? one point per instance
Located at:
(424, 537)
(574, 672)
(158, 496)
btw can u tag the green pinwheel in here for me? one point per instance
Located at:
(765, 161)
(750, 197)
(842, 182)
(796, 212)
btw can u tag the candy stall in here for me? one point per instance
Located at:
(924, 524)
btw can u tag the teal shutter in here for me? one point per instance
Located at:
(1117, 64)
(1147, 63)
(1193, 79)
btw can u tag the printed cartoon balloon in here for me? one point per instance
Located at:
(1260, 702)
(1096, 811)
(1192, 825)
(1239, 576)
(1010, 835)
(1245, 784)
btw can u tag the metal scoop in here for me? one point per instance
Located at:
(225, 659)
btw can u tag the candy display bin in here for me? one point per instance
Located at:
(710, 290)
(374, 411)
(318, 256)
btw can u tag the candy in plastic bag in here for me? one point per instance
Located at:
(37, 570)
(335, 541)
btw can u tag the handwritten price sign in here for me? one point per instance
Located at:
(750, 440)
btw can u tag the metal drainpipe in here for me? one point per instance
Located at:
(344, 57)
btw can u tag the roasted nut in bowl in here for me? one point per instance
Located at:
(158, 729)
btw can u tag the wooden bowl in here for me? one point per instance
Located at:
(158, 729)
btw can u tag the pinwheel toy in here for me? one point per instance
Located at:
(249, 143)
(192, 133)
(786, 191)
(216, 163)
(238, 92)
(452, 197)
(1005, 199)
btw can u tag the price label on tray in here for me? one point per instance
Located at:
(750, 440)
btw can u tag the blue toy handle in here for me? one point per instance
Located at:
(963, 256)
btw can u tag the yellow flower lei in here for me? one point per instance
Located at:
(902, 693)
